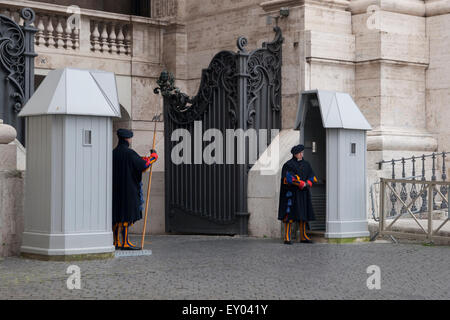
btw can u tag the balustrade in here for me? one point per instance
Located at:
(55, 30)
(433, 160)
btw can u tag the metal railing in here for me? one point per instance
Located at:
(374, 193)
(410, 162)
(425, 192)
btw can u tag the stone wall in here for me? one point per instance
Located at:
(11, 211)
(318, 51)
(264, 189)
(11, 193)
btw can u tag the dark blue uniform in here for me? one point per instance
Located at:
(297, 177)
(295, 202)
(127, 188)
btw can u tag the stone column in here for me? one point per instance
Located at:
(8, 152)
(391, 60)
(11, 194)
(392, 56)
(318, 51)
(438, 72)
(175, 53)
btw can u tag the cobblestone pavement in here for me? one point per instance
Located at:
(210, 267)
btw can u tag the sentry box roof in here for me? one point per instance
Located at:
(75, 92)
(338, 110)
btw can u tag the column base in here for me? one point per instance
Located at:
(71, 257)
(347, 240)
(64, 246)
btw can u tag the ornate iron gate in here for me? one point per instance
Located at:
(237, 91)
(17, 68)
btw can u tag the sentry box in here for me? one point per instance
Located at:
(333, 131)
(68, 192)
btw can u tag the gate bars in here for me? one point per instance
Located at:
(427, 188)
(418, 173)
(239, 90)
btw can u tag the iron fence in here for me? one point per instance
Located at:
(419, 215)
(418, 173)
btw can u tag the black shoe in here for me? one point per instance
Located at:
(307, 241)
(130, 248)
(288, 242)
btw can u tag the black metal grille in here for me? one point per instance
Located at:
(239, 90)
(417, 165)
(17, 68)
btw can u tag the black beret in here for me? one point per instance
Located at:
(297, 149)
(124, 133)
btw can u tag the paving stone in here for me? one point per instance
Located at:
(211, 267)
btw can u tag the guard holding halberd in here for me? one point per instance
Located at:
(127, 188)
(297, 177)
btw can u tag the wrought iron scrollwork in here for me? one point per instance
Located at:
(16, 67)
(12, 58)
(220, 73)
(166, 83)
(12, 48)
(265, 65)
(180, 103)
(242, 43)
(28, 16)
(226, 89)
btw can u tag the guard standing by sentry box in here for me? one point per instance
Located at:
(333, 131)
(68, 193)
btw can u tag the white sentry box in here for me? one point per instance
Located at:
(68, 193)
(333, 131)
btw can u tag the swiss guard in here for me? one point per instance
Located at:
(127, 188)
(297, 177)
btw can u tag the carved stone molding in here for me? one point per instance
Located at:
(274, 5)
(436, 8)
(420, 8)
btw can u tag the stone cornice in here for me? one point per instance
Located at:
(437, 7)
(175, 27)
(59, 9)
(273, 5)
(420, 8)
(411, 7)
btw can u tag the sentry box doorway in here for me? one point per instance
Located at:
(333, 131)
